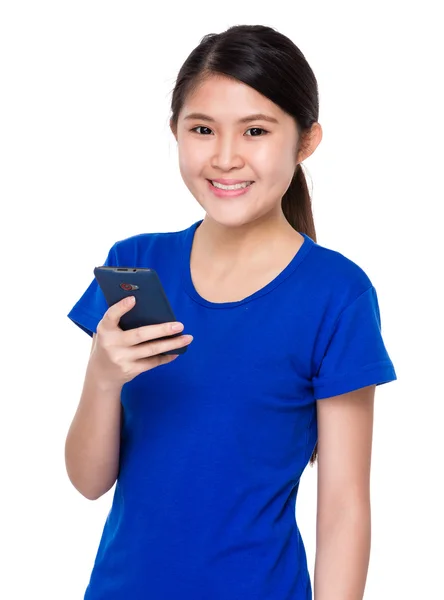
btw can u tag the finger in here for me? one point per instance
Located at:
(131, 337)
(155, 348)
(112, 316)
(145, 364)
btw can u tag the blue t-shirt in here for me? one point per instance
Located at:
(213, 445)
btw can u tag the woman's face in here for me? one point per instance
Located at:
(223, 147)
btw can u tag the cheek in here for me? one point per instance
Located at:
(191, 160)
(273, 167)
(272, 159)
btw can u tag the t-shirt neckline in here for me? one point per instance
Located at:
(286, 272)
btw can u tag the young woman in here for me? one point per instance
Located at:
(207, 448)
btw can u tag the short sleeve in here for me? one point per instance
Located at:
(88, 311)
(356, 355)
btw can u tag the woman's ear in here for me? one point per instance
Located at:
(173, 129)
(310, 142)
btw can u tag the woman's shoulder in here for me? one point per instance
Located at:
(143, 239)
(136, 247)
(337, 272)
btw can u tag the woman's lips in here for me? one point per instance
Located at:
(231, 181)
(228, 193)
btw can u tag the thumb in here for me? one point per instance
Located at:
(112, 316)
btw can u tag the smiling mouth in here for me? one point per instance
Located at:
(237, 186)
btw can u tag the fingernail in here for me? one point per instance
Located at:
(177, 327)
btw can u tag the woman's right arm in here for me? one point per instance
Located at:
(93, 442)
(92, 448)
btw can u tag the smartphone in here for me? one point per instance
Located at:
(152, 306)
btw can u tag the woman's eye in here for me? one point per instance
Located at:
(200, 127)
(257, 129)
(251, 129)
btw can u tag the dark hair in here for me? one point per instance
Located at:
(270, 63)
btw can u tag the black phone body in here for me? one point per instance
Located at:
(152, 306)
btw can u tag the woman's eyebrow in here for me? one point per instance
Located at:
(256, 117)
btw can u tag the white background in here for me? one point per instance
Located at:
(87, 158)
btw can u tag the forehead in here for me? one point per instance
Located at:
(227, 99)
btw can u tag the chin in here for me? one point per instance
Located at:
(229, 218)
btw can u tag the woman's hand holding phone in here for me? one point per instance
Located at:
(118, 356)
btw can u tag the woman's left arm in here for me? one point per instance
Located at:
(343, 524)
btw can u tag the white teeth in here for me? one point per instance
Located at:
(237, 186)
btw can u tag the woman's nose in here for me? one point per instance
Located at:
(227, 154)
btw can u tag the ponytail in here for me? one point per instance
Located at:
(296, 206)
